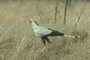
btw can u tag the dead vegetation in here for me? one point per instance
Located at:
(17, 39)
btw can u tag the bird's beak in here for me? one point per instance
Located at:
(28, 21)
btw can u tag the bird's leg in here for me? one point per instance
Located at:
(47, 40)
(43, 40)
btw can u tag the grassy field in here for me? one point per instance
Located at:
(18, 41)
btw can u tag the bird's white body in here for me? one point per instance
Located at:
(40, 31)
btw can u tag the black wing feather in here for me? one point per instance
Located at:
(55, 33)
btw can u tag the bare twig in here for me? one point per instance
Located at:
(56, 10)
(65, 11)
(56, 13)
(79, 16)
(60, 17)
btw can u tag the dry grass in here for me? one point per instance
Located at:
(18, 41)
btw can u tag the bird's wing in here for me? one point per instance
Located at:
(43, 31)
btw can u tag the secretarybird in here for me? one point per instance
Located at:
(44, 32)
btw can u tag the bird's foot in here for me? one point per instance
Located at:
(77, 36)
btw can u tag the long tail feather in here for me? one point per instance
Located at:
(72, 36)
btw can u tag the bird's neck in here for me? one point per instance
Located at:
(35, 25)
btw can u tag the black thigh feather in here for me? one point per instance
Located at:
(44, 39)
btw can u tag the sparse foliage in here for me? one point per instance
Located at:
(69, 2)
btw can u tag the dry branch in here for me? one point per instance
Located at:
(79, 16)
(65, 11)
(56, 13)
(56, 10)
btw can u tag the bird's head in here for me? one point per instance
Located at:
(30, 21)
